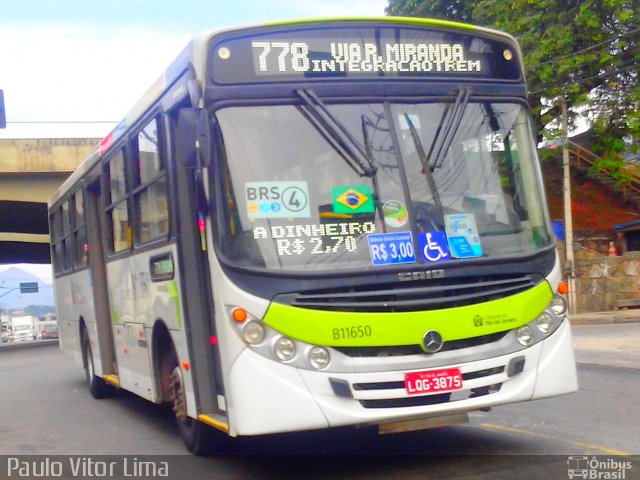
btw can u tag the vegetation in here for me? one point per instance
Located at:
(586, 53)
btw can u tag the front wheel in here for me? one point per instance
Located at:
(97, 386)
(199, 438)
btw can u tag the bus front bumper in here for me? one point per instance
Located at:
(268, 397)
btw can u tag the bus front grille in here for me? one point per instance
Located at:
(411, 295)
(405, 350)
(430, 399)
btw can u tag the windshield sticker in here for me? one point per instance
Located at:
(391, 248)
(277, 200)
(291, 240)
(462, 235)
(352, 199)
(434, 246)
(395, 213)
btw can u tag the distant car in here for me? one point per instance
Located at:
(6, 336)
(50, 332)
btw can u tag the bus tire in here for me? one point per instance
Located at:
(97, 386)
(199, 438)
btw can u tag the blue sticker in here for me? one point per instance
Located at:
(391, 248)
(433, 246)
(462, 235)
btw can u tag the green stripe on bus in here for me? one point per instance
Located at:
(174, 295)
(404, 20)
(375, 329)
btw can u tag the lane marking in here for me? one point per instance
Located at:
(519, 431)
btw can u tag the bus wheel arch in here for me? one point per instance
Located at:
(163, 352)
(82, 334)
(96, 385)
(198, 438)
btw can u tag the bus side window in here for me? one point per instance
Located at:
(56, 240)
(67, 249)
(80, 242)
(116, 204)
(150, 186)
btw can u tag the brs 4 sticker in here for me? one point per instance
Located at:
(277, 200)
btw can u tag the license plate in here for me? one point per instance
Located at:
(433, 381)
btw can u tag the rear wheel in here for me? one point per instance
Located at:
(97, 386)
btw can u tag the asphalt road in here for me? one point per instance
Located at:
(46, 410)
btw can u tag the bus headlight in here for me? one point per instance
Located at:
(542, 326)
(319, 357)
(544, 323)
(524, 335)
(253, 333)
(284, 349)
(558, 305)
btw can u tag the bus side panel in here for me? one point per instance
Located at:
(156, 299)
(137, 303)
(120, 287)
(68, 327)
(84, 310)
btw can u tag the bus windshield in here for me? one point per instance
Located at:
(352, 186)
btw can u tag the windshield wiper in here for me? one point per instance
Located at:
(359, 158)
(374, 178)
(426, 169)
(447, 128)
(337, 134)
(442, 140)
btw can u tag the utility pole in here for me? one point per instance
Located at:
(568, 218)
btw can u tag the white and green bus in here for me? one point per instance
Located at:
(313, 224)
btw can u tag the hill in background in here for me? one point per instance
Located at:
(595, 208)
(12, 278)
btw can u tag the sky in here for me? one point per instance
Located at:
(86, 62)
(90, 60)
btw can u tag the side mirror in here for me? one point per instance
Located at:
(193, 138)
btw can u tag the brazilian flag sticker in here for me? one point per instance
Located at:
(352, 199)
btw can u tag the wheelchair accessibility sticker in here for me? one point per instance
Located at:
(433, 246)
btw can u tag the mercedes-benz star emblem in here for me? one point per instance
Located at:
(432, 341)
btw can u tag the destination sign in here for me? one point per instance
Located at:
(284, 57)
(362, 52)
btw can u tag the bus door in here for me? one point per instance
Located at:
(193, 259)
(98, 275)
(121, 341)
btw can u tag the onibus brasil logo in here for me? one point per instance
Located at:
(597, 468)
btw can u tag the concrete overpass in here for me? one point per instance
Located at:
(30, 171)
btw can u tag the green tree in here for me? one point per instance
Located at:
(583, 52)
(458, 10)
